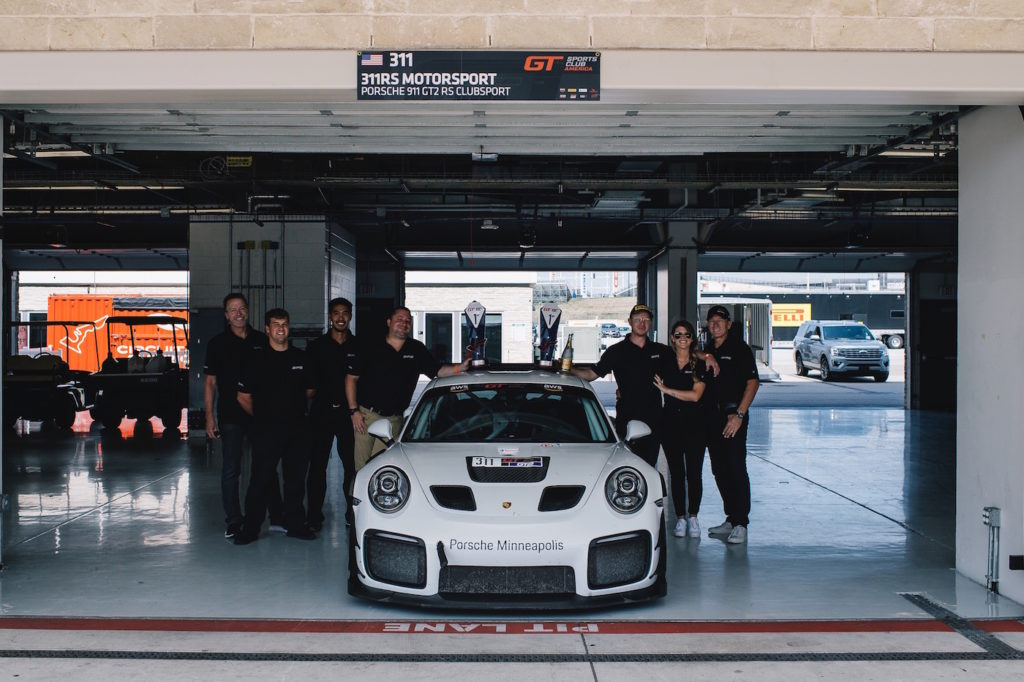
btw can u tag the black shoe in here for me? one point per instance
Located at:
(302, 533)
(233, 530)
(244, 538)
(315, 527)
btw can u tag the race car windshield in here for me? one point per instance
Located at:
(855, 332)
(516, 413)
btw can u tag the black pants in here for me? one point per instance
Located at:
(729, 465)
(334, 424)
(232, 437)
(274, 443)
(683, 439)
(647, 447)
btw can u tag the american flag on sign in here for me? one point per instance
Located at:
(375, 59)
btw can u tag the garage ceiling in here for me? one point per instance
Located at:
(533, 185)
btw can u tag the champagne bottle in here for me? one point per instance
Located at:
(567, 355)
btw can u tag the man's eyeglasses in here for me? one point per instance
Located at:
(680, 335)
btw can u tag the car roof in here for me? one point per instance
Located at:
(844, 323)
(527, 376)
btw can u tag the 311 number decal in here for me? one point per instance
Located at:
(400, 59)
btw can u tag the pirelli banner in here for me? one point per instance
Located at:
(501, 76)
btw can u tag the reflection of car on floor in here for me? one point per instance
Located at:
(41, 385)
(148, 382)
(508, 489)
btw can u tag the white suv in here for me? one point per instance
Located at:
(839, 347)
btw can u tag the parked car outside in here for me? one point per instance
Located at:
(839, 347)
(609, 329)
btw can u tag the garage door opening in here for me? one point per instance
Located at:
(849, 327)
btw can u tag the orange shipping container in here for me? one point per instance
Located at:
(81, 348)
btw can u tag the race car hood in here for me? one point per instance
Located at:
(513, 476)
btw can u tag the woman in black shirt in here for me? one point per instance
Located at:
(682, 383)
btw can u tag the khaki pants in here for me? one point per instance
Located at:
(366, 445)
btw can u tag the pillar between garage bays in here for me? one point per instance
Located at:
(990, 338)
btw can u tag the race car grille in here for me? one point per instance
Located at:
(560, 497)
(861, 353)
(508, 474)
(395, 559)
(472, 582)
(458, 497)
(618, 559)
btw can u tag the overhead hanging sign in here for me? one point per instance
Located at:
(502, 76)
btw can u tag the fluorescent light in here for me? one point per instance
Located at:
(52, 154)
(912, 153)
(61, 188)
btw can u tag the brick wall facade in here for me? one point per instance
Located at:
(880, 25)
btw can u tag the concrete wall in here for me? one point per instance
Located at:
(911, 25)
(340, 272)
(296, 274)
(990, 328)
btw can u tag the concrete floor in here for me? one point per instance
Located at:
(850, 562)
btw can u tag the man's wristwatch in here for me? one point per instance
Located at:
(741, 415)
(353, 410)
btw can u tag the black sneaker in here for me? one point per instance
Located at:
(302, 533)
(244, 538)
(233, 530)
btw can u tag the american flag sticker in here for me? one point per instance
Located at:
(372, 59)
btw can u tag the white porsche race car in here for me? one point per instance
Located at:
(508, 490)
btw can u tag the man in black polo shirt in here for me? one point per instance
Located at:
(729, 397)
(225, 355)
(381, 382)
(274, 388)
(330, 356)
(634, 361)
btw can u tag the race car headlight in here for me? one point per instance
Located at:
(626, 490)
(388, 489)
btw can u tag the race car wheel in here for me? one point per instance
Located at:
(661, 584)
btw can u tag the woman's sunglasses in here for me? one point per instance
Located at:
(679, 335)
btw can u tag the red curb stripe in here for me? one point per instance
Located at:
(999, 625)
(486, 627)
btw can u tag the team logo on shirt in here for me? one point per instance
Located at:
(408, 357)
(299, 367)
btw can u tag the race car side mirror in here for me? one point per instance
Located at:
(635, 429)
(382, 429)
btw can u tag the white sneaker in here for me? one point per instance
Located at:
(278, 528)
(724, 528)
(693, 527)
(680, 530)
(738, 536)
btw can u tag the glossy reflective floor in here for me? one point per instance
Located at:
(851, 508)
(116, 566)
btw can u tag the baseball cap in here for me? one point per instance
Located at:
(641, 308)
(719, 310)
